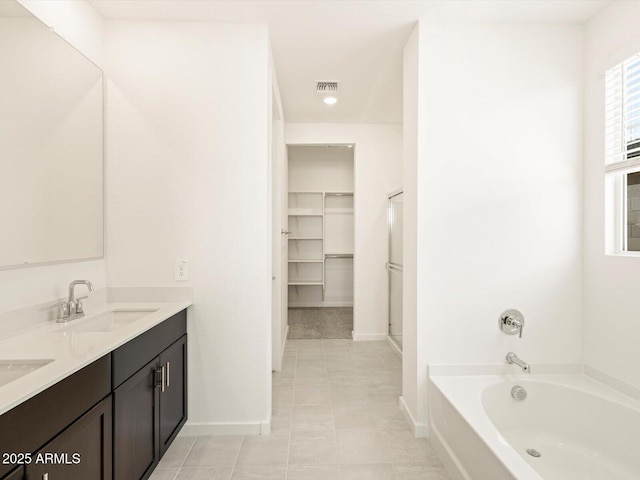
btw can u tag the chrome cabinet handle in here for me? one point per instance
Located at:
(168, 366)
(45, 476)
(285, 232)
(160, 378)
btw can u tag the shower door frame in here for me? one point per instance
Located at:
(391, 267)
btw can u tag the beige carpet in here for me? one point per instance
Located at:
(325, 322)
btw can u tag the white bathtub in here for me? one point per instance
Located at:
(582, 428)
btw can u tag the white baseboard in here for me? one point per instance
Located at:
(265, 428)
(203, 429)
(368, 337)
(394, 347)
(320, 304)
(420, 430)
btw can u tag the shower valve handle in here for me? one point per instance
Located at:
(511, 322)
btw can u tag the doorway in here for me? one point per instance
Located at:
(320, 241)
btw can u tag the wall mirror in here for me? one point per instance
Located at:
(51, 145)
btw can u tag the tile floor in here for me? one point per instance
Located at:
(335, 417)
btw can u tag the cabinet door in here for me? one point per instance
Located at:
(135, 425)
(173, 401)
(32, 424)
(81, 452)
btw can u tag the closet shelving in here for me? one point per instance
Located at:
(338, 220)
(306, 240)
(320, 181)
(338, 258)
(321, 226)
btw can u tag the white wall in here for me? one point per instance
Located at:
(188, 177)
(319, 169)
(414, 362)
(499, 193)
(80, 25)
(378, 171)
(611, 283)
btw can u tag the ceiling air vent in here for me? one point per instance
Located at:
(328, 91)
(327, 87)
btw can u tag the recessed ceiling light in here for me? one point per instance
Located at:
(328, 92)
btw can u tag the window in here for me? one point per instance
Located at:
(622, 151)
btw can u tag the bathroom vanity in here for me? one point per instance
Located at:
(113, 418)
(104, 393)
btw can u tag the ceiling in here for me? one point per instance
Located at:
(355, 42)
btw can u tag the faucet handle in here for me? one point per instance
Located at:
(511, 322)
(63, 310)
(515, 323)
(520, 328)
(79, 306)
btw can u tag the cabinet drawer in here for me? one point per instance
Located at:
(131, 357)
(81, 452)
(31, 424)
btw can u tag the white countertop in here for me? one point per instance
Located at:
(70, 351)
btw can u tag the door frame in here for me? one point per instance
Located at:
(278, 209)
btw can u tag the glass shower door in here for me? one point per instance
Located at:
(394, 267)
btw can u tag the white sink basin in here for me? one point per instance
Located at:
(11, 370)
(106, 322)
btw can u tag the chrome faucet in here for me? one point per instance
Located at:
(73, 308)
(513, 358)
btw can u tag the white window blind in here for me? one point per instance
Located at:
(632, 106)
(613, 139)
(622, 115)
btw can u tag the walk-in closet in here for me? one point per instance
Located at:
(320, 241)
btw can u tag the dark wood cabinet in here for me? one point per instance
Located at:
(17, 474)
(150, 406)
(81, 452)
(133, 355)
(173, 400)
(32, 424)
(119, 414)
(135, 427)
